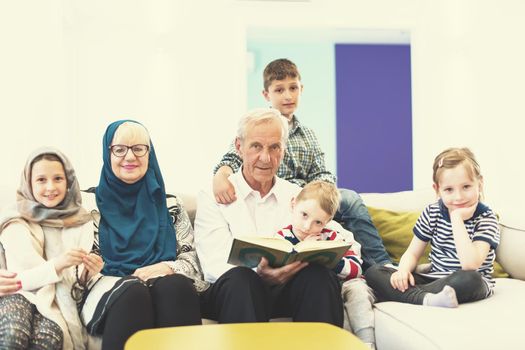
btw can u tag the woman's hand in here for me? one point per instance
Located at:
(9, 283)
(156, 270)
(70, 258)
(401, 279)
(93, 264)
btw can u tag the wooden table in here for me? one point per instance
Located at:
(243, 336)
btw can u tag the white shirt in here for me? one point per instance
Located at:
(217, 224)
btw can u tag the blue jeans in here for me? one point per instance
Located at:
(353, 216)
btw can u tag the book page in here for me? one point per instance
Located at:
(247, 251)
(305, 246)
(270, 242)
(328, 257)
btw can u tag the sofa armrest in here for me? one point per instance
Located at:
(510, 251)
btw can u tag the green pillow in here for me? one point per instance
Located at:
(395, 229)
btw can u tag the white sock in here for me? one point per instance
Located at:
(445, 298)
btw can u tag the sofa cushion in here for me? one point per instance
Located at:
(494, 321)
(395, 229)
(415, 200)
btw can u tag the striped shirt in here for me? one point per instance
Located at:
(349, 266)
(303, 159)
(434, 226)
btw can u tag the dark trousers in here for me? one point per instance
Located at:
(468, 285)
(240, 295)
(23, 327)
(165, 302)
(312, 295)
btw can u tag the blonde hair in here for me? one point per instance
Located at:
(325, 193)
(134, 132)
(259, 116)
(451, 158)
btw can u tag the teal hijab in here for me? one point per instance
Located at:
(135, 227)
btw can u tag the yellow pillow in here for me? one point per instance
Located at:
(395, 229)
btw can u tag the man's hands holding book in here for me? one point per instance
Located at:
(278, 275)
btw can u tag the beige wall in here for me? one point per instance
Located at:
(68, 68)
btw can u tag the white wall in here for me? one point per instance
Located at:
(68, 68)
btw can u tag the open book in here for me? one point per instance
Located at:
(247, 251)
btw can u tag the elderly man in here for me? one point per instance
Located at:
(238, 294)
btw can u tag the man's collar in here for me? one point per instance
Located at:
(244, 189)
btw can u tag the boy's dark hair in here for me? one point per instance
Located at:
(279, 69)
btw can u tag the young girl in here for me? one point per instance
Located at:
(463, 233)
(47, 240)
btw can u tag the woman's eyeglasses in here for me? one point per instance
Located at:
(121, 150)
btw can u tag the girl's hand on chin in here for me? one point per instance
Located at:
(464, 213)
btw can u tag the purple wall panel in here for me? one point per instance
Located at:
(374, 117)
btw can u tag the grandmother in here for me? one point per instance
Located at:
(151, 273)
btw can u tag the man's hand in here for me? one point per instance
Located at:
(156, 270)
(9, 283)
(223, 189)
(279, 275)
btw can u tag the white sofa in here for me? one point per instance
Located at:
(494, 323)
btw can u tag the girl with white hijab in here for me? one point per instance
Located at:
(48, 238)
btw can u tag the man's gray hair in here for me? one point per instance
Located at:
(263, 115)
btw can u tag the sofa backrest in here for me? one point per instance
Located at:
(509, 253)
(415, 200)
